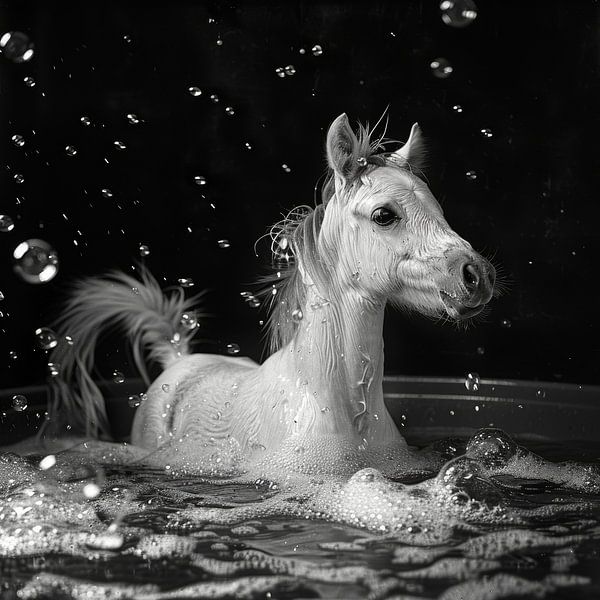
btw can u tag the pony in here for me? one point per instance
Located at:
(378, 236)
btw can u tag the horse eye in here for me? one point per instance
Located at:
(384, 216)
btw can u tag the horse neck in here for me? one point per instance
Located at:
(337, 357)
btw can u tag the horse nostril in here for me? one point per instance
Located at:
(471, 276)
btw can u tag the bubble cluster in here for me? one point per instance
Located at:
(492, 447)
(16, 46)
(35, 261)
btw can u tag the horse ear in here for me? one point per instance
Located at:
(412, 154)
(342, 148)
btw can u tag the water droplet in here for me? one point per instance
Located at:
(186, 282)
(70, 150)
(233, 349)
(493, 447)
(106, 193)
(53, 369)
(441, 68)
(302, 51)
(214, 98)
(223, 243)
(119, 145)
(133, 118)
(472, 382)
(472, 175)
(286, 168)
(47, 462)
(165, 388)
(297, 315)
(248, 146)
(69, 340)
(29, 81)
(6, 223)
(317, 50)
(18, 140)
(290, 70)
(91, 490)
(325, 409)
(480, 350)
(13, 355)
(230, 111)
(189, 320)
(127, 39)
(19, 402)
(457, 108)
(18, 178)
(362, 161)
(144, 250)
(195, 91)
(487, 133)
(280, 72)
(46, 338)
(506, 323)
(35, 261)
(134, 401)
(118, 377)
(200, 180)
(16, 46)
(458, 13)
(540, 394)
(85, 121)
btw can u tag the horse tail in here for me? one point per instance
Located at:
(152, 323)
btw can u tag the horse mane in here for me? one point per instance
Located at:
(295, 247)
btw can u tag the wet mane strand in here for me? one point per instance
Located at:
(295, 248)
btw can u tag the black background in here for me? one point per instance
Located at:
(526, 70)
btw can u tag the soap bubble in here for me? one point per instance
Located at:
(91, 490)
(118, 377)
(16, 46)
(195, 91)
(472, 175)
(317, 50)
(70, 150)
(297, 315)
(186, 282)
(223, 243)
(441, 68)
(46, 338)
(144, 250)
(472, 382)
(230, 111)
(6, 223)
(19, 402)
(493, 447)
(487, 133)
(35, 261)
(233, 349)
(189, 320)
(290, 70)
(458, 13)
(18, 140)
(47, 462)
(29, 81)
(200, 180)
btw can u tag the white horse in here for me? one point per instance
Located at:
(378, 236)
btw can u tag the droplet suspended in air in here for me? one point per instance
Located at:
(29, 81)
(70, 150)
(317, 50)
(280, 72)
(118, 377)
(230, 111)
(134, 401)
(458, 13)
(106, 193)
(286, 168)
(506, 323)
(16, 46)
(540, 393)
(195, 91)
(18, 140)
(35, 261)
(290, 70)
(53, 369)
(223, 243)
(200, 180)
(189, 320)
(214, 98)
(46, 338)
(144, 250)
(19, 402)
(472, 382)
(487, 133)
(186, 282)
(18, 178)
(457, 108)
(85, 121)
(472, 175)
(133, 119)
(6, 223)
(441, 68)
(119, 145)
(232, 349)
